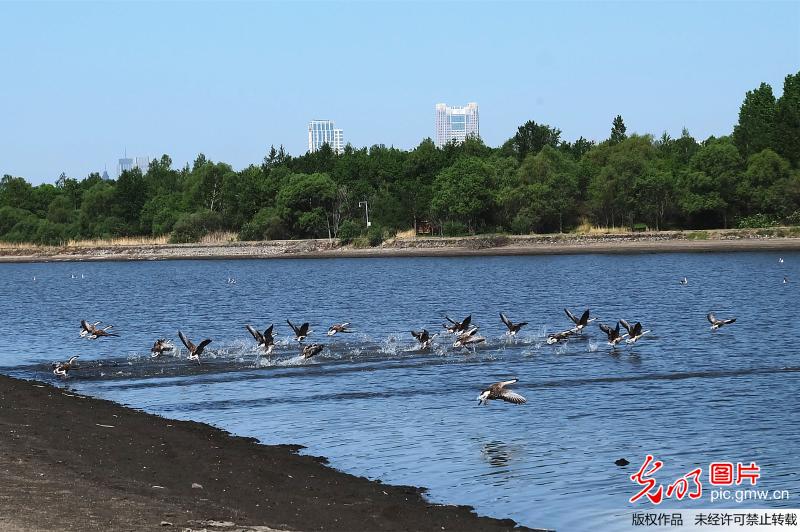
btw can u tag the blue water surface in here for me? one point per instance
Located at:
(376, 406)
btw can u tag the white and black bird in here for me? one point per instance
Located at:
(684, 281)
(339, 328)
(311, 350)
(500, 390)
(194, 350)
(780, 260)
(301, 332)
(581, 322)
(469, 338)
(93, 332)
(634, 332)
(62, 368)
(265, 339)
(457, 327)
(513, 328)
(613, 334)
(560, 336)
(423, 337)
(716, 324)
(87, 329)
(160, 347)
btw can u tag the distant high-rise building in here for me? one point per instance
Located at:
(322, 132)
(142, 163)
(456, 123)
(105, 176)
(127, 164)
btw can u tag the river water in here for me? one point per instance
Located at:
(376, 406)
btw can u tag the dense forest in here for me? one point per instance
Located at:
(535, 182)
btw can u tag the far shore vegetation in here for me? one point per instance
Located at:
(536, 182)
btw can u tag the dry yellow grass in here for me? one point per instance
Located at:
(119, 241)
(219, 237)
(588, 229)
(405, 235)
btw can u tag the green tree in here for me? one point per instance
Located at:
(618, 130)
(756, 128)
(461, 192)
(787, 120)
(531, 138)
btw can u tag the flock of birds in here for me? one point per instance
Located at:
(464, 331)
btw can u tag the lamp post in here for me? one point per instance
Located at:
(366, 210)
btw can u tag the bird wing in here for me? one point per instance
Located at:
(268, 332)
(85, 326)
(466, 322)
(255, 333)
(296, 332)
(606, 329)
(512, 397)
(417, 335)
(571, 316)
(728, 321)
(473, 340)
(584, 317)
(188, 343)
(506, 321)
(304, 329)
(626, 325)
(637, 329)
(448, 319)
(503, 384)
(710, 317)
(202, 346)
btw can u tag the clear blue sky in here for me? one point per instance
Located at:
(81, 82)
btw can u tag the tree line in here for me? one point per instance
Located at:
(535, 182)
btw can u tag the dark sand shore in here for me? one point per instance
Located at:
(777, 239)
(74, 463)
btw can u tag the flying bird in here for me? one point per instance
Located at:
(613, 334)
(87, 329)
(715, 323)
(456, 327)
(634, 332)
(194, 350)
(339, 328)
(560, 336)
(93, 332)
(513, 328)
(311, 350)
(469, 338)
(265, 339)
(62, 368)
(423, 337)
(500, 390)
(301, 332)
(160, 347)
(581, 322)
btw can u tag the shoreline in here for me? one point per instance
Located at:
(731, 240)
(74, 462)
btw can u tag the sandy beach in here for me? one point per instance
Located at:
(779, 239)
(76, 463)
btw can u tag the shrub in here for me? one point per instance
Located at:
(451, 228)
(375, 235)
(756, 221)
(193, 227)
(265, 225)
(348, 230)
